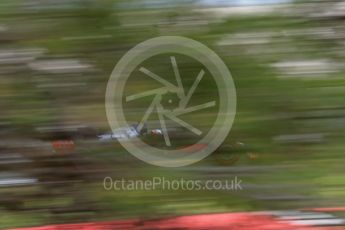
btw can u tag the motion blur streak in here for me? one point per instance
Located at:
(286, 143)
